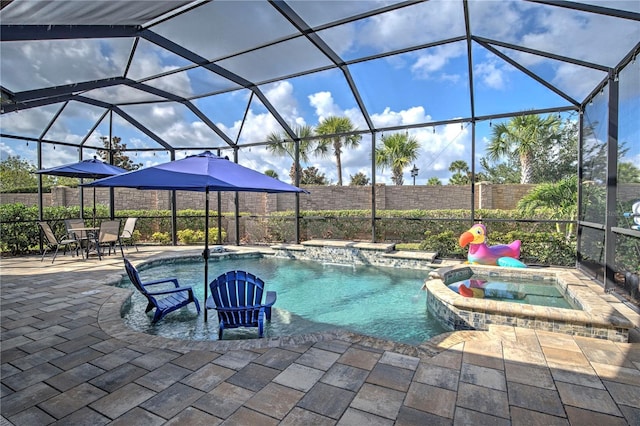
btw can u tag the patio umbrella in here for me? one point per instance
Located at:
(202, 173)
(87, 169)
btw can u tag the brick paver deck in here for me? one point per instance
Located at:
(67, 358)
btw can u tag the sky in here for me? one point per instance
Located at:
(414, 87)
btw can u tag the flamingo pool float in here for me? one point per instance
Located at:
(482, 254)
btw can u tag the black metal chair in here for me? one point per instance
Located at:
(54, 243)
(109, 236)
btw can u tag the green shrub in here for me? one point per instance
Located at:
(161, 237)
(19, 231)
(189, 236)
(544, 248)
(444, 243)
(541, 243)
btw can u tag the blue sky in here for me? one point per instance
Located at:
(416, 87)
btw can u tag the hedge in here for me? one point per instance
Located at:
(541, 243)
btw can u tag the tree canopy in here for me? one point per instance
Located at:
(527, 137)
(461, 173)
(359, 179)
(337, 130)
(17, 175)
(119, 149)
(282, 146)
(312, 176)
(271, 173)
(397, 151)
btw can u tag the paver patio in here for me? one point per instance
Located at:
(67, 358)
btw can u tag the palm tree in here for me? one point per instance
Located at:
(271, 173)
(335, 128)
(461, 174)
(560, 198)
(280, 144)
(398, 150)
(522, 135)
(359, 179)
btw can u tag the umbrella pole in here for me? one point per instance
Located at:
(205, 253)
(94, 207)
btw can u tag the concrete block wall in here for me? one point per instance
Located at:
(388, 197)
(432, 197)
(504, 197)
(26, 199)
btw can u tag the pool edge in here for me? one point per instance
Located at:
(110, 321)
(597, 319)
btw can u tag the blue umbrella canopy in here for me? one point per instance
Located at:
(87, 169)
(90, 169)
(202, 172)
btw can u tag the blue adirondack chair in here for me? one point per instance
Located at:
(170, 299)
(237, 297)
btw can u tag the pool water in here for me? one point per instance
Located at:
(516, 291)
(381, 302)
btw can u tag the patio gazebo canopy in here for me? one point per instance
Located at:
(175, 77)
(77, 71)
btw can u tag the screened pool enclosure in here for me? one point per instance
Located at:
(264, 82)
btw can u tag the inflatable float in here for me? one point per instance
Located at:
(480, 289)
(482, 254)
(469, 288)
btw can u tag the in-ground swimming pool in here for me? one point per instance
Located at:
(381, 302)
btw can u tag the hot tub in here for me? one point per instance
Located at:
(593, 316)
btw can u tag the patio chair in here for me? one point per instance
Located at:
(170, 299)
(81, 236)
(237, 297)
(54, 243)
(74, 224)
(127, 232)
(109, 236)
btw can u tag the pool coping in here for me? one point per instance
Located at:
(358, 253)
(597, 318)
(110, 320)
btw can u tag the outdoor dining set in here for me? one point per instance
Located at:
(84, 240)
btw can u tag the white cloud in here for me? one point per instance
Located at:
(56, 62)
(342, 39)
(281, 96)
(601, 39)
(577, 82)
(178, 83)
(499, 20)
(589, 37)
(436, 153)
(388, 118)
(6, 151)
(258, 126)
(50, 63)
(324, 105)
(430, 63)
(491, 74)
(406, 26)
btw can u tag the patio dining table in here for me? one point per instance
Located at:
(92, 233)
